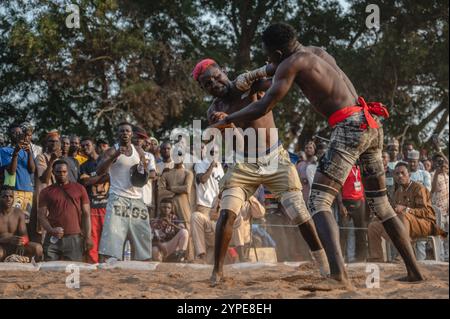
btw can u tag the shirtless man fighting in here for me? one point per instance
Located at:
(357, 133)
(242, 180)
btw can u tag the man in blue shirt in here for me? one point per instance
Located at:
(16, 164)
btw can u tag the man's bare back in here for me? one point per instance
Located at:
(325, 85)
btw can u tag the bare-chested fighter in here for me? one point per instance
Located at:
(357, 133)
(242, 180)
(13, 230)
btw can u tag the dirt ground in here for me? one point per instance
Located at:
(243, 281)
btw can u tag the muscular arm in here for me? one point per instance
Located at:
(42, 216)
(108, 159)
(94, 180)
(282, 82)
(245, 80)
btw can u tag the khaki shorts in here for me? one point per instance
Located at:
(242, 180)
(248, 176)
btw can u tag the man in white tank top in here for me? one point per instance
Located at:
(126, 214)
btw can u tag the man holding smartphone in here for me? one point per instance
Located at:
(16, 162)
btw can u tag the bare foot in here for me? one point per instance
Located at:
(216, 278)
(412, 279)
(341, 282)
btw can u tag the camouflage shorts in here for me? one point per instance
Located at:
(352, 139)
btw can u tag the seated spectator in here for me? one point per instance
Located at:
(64, 213)
(169, 236)
(13, 231)
(413, 206)
(17, 162)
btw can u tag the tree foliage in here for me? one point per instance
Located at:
(132, 60)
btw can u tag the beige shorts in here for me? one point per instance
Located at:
(242, 180)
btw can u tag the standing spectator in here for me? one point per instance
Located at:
(390, 183)
(306, 175)
(169, 236)
(74, 166)
(13, 231)
(439, 196)
(44, 161)
(43, 178)
(167, 162)
(208, 173)
(126, 214)
(409, 147)
(428, 165)
(424, 155)
(97, 188)
(413, 206)
(101, 146)
(417, 174)
(153, 146)
(393, 151)
(75, 150)
(139, 138)
(352, 206)
(17, 162)
(176, 184)
(67, 205)
(35, 149)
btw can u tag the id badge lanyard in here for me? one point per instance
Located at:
(357, 183)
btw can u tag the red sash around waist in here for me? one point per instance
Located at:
(370, 108)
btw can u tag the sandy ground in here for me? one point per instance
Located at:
(248, 281)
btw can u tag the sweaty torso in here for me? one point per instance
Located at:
(235, 103)
(323, 83)
(9, 223)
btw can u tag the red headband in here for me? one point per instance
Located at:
(201, 67)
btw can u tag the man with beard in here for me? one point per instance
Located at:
(357, 133)
(272, 166)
